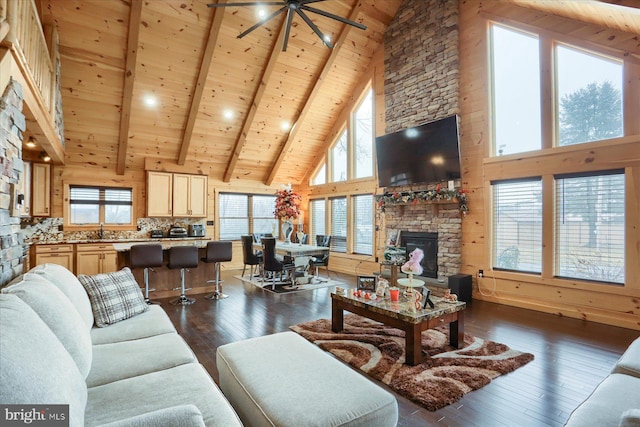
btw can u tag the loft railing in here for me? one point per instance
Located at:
(27, 41)
(4, 25)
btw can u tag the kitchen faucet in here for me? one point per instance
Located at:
(101, 232)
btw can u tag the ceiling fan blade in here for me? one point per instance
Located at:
(332, 16)
(253, 3)
(287, 30)
(253, 27)
(314, 28)
(303, 2)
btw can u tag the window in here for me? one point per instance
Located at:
(234, 216)
(318, 218)
(321, 176)
(262, 215)
(589, 96)
(516, 91)
(242, 214)
(96, 205)
(339, 224)
(363, 138)
(339, 159)
(363, 231)
(517, 225)
(590, 228)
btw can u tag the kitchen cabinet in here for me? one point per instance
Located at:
(24, 188)
(176, 195)
(96, 258)
(41, 189)
(189, 195)
(159, 194)
(55, 254)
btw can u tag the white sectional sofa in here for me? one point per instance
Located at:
(616, 400)
(135, 372)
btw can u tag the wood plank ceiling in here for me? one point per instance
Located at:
(117, 53)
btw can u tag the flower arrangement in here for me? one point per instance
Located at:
(287, 203)
(439, 193)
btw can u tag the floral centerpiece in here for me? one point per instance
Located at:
(287, 209)
(287, 203)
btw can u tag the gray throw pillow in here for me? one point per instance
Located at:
(114, 296)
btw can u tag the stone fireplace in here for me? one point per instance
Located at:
(436, 226)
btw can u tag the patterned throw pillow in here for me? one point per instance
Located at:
(114, 296)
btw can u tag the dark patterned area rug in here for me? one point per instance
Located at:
(445, 374)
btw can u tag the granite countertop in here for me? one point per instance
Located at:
(128, 242)
(124, 245)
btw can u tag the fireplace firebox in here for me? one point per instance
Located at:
(428, 242)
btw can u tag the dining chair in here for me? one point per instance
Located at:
(250, 258)
(322, 261)
(272, 265)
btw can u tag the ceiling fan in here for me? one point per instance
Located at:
(292, 7)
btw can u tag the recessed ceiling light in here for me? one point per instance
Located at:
(285, 125)
(327, 38)
(228, 114)
(150, 100)
(262, 13)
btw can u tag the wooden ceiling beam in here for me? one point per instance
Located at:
(196, 98)
(255, 103)
(314, 92)
(135, 18)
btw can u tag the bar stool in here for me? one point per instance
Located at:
(217, 252)
(147, 257)
(183, 257)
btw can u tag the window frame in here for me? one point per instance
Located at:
(349, 127)
(66, 206)
(250, 217)
(549, 105)
(554, 160)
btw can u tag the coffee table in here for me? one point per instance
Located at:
(399, 314)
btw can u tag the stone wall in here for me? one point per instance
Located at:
(421, 64)
(421, 85)
(12, 124)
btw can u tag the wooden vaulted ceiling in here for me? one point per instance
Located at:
(115, 53)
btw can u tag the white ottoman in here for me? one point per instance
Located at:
(284, 380)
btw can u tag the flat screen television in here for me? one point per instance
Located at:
(422, 154)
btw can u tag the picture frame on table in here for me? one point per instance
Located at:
(426, 293)
(392, 237)
(366, 283)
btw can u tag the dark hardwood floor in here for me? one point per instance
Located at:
(571, 356)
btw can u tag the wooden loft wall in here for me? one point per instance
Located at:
(28, 55)
(615, 305)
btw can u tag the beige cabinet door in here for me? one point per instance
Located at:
(88, 263)
(198, 196)
(25, 189)
(54, 254)
(41, 189)
(159, 194)
(109, 262)
(181, 184)
(96, 258)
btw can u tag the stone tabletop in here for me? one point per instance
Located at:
(403, 309)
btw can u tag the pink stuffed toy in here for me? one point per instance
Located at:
(413, 265)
